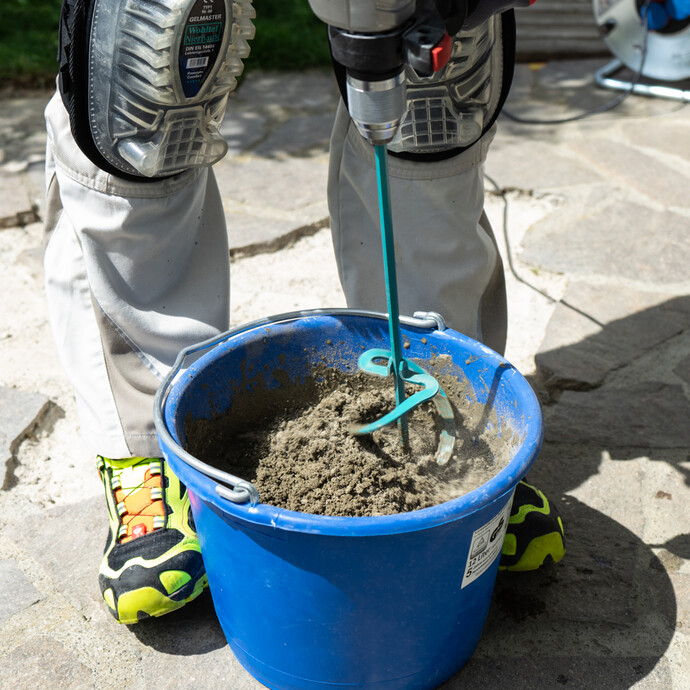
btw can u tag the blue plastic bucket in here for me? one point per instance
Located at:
(310, 601)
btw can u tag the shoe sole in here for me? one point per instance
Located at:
(147, 602)
(547, 548)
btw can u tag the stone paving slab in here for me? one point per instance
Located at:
(673, 138)
(649, 414)
(641, 672)
(261, 202)
(19, 412)
(213, 668)
(639, 170)
(301, 135)
(17, 591)
(609, 329)
(15, 204)
(682, 370)
(22, 130)
(269, 183)
(61, 541)
(622, 239)
(666, 517)
(43, 662)
(242, 129)
(273, 180)
(252, 232)
(544, 168)
(300, 92)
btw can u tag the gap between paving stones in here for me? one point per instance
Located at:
(282, 242)
(21, 415)
(20, 220)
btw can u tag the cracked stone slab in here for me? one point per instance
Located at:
(15, 205)
(19, 412)
(285, 90)
(250, 234)
(299, 135)
(659, 181)
(17, 592)
(68, 543)
(245, 184)
(545, 169)
(578, 353)
(43, 662)
(650, 245)
(646, 415)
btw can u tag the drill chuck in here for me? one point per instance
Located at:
(375, 63)
(377, 107)
(375, 85)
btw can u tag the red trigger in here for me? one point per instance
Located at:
(440, 53)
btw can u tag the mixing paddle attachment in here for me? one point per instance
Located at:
(402, 370)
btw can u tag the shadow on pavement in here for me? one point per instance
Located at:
(192, 630)
(605, 616)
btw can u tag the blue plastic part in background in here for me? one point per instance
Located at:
(316, 602)
(656, 15)
(678, 9)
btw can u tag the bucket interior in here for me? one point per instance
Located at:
(292, 352)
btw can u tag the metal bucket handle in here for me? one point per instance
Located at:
(243, 491)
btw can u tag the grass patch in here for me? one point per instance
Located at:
(28, 42)
(288, 38)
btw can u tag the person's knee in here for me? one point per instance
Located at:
(145, 85)
(450, 111)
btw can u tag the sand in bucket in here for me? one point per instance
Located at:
(293, 444)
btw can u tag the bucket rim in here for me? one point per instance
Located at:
(242, 501)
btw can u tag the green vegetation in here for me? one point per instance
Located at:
(289, 37)
(28, 42)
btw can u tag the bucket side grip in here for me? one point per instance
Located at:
(244, 491)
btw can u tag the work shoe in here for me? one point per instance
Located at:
(152, 561)
(535, 534)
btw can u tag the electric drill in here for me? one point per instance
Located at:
(374, 40)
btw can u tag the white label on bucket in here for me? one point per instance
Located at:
(486, 546)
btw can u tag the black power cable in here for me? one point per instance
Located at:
(511, 264)
(558, 121)
(606, 106)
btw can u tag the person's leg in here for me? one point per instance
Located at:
(134, 271)
(446, 256)
(137, 259)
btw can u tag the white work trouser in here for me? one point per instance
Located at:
(135, 271)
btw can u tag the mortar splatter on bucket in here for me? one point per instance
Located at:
(310, 601)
